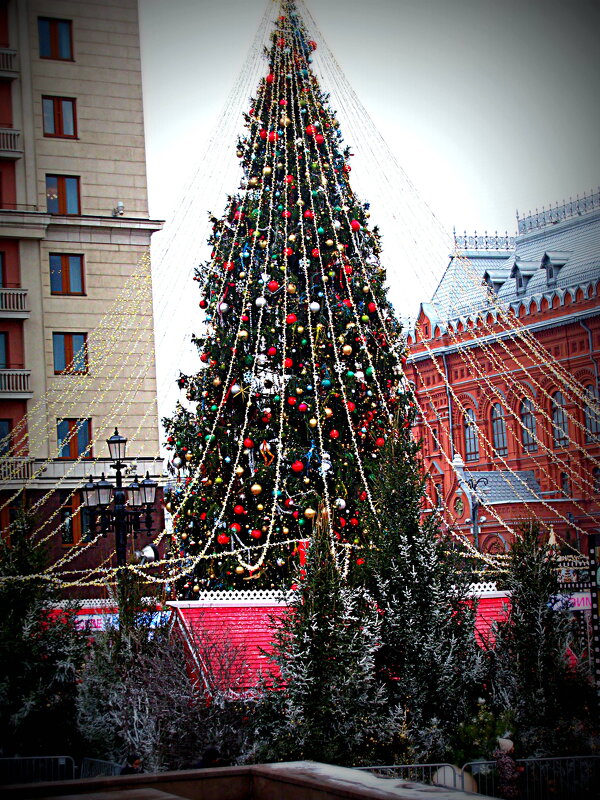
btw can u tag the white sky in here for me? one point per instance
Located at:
(487, 106)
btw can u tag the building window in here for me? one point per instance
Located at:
(3, 270)
(3, 350)
(499, 430)
(59, 117)
(435, 440)
(560, 427)
(592, 415)
(529, 426)
(56, 38)
(70, 353)
(5, 443)
(66, 274)
(75, 519)
(596, 479)
(471, 436)
(565, 486)
(74, 437)
(62, 194)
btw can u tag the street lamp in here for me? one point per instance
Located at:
(469, 486)
(97, 496)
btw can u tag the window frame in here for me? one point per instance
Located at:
(54, 24)
(528, 432)
(58, 117)
(69, 352)
(73, 509)
(72, 436)
(560, 422)
(65, 273)
(591, 417)
(5, 434)
(471, 436)
(4, 337)
(61, 195)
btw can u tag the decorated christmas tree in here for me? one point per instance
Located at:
(300, 357)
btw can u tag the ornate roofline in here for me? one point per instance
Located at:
(553, 215)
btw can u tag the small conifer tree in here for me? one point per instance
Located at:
(327, 704)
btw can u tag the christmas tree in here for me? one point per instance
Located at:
(299, 372)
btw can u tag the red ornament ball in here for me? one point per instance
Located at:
(380, 441)
(319, 138)
(288, 363)
(239, 510)
(222, 538)
(288, 252)
(290, 319)
(286, 214)
(334, 434)
(354, 521)
(297, 466)
(308, 214)
(272, 351)
(272, 286)
(248, 442)
(256, 533)
(311, 130)
(350, 405)
(291, 401)
(316, 252)
(270, 78)
(272, 136)
(235, 526)
(262, 133)
(355, 225)
(289, 179)
(302, 407)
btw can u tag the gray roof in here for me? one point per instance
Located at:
(502, 486)
(571, 245)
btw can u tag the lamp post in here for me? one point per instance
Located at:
(121, 519)
(470, 486)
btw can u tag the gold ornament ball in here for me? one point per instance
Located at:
(306, 480)
(256, 489)
(255, 234)
(262, 244)
(346, 349)
(310, 513)
(239, 471)
(218, 479)
(299, 390)
(366, 289)
(267, 171)
(260, 507)
(242, 274)
(184, 536)
(196, 588)
(341, 247)
(300, 328)
(291, 238)
(312, 422)
(243, 334)
(285, 531)
(329, 242)
(239, 153)
(188, 456)
(328, 412)
(239, 570)
(253, 182)
(168, 506)
(291, 288)
(216, 381)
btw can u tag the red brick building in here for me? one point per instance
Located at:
(504, 363)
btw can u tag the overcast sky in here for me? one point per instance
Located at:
(487, 106)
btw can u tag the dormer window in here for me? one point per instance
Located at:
(553, 261)
(522, 272)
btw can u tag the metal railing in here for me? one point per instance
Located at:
(14, 380)
(35, 769)
(95, 768)
(13, 300)
(557, 778)
(10, 140)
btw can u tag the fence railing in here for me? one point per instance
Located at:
(8, 59)
(36, 769)
(10, 140)
(559, 778)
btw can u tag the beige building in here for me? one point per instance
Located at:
(76, 325)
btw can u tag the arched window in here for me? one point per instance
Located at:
(565, 485)
(471, 437)
(560, 426)
(592, 415)
(499, 430)
(529, 426)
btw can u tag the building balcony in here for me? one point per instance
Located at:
(15, 384)
(8, 63)
(10, 143)
(15, 469)
(13, 304)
